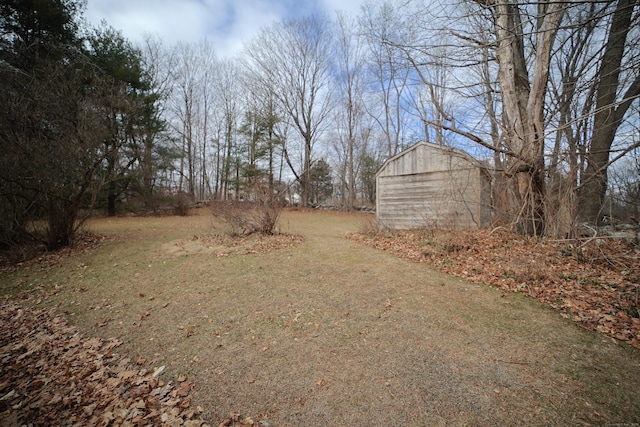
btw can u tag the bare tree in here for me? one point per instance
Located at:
(523, 99)
(388, 69)
(193, 73)
(616, 88)
(350, 114)
(571, 77)
(209, 75)
(291, 58)
(183, 105)
(229, 97)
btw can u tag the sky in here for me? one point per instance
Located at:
(225, 23)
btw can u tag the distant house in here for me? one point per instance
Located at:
(431, 185)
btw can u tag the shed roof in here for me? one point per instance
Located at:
(421, 163)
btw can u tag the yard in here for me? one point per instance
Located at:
(313, 328)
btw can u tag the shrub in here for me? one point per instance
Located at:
(182, 204)
(248, 217)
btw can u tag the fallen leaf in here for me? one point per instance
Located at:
(158, 371)
(185, 389)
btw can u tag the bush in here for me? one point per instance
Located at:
(182, 204)
(248, 217)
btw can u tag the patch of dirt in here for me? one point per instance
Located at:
(595, 282)
(223, 245)
(50, 373)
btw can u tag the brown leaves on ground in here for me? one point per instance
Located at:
(258, 243)
(221, 245)
(51, 375)
(595, 282)
(237, 420)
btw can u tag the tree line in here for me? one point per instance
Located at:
(546, 93)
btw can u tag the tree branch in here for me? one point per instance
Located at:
(476, 139)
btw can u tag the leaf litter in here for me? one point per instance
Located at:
(222, 245)
(51, 375)
(595, 282)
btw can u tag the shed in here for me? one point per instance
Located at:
(430, 185)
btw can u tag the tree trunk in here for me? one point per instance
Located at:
(306, 173)
(607, 116)
(147, 166)
(523, 104)
(111, 198)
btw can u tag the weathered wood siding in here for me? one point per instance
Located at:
(433, 186)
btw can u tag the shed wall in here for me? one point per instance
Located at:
(430, 186)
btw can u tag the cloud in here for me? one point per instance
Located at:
(351, 7)
(249, 17)
(225, 23)
(171, 20)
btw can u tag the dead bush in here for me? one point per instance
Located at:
(182, 204)
(370, 228)
(248, 217)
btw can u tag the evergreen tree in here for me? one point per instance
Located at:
(320, 182)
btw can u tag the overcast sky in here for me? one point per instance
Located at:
(226, 23)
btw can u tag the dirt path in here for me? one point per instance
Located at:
(332, 332)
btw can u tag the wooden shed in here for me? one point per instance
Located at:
(430, 185)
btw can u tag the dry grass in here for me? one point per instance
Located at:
(331, 332)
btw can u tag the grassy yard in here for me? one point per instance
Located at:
(328, 331)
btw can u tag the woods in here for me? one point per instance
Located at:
(545, 94)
